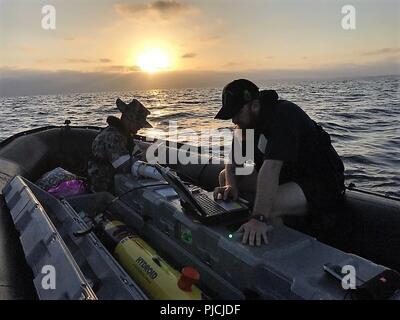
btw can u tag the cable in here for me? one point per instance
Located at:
(133, 189)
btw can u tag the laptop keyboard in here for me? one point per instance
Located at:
(209, 205)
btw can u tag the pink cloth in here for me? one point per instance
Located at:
(69, 188)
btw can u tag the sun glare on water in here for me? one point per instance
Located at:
(153, 60)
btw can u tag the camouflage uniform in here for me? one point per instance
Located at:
(113, 148)
(108, 146)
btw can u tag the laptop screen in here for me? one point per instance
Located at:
(180, 188)
(219, 210)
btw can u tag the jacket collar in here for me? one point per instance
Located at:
(117, 123)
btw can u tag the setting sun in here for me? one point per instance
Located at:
(154, 60)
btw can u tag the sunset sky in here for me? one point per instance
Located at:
(176, 42)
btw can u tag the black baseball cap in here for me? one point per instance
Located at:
(234, 96)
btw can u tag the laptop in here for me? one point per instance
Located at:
(201, 204)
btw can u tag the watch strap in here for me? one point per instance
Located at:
(259, 217)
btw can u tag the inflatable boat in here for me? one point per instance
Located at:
(37, 230)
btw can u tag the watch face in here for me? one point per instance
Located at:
(259, 217)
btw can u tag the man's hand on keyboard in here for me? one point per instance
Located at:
(226, 192)
(254, 230)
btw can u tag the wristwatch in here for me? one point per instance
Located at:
(259, 217)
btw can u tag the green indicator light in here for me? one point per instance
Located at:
(230, 236)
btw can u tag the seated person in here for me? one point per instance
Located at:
(113, 149)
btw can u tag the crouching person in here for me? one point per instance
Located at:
(297, 169)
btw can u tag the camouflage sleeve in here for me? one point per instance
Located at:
(116, 149)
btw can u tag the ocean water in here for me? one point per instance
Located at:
(361, 115)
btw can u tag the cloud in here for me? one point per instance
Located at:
(189, 55)
(381, 52)
(73, 60)
(165, 9)
(231, 64)
(210, 38)
(82, 60)
(28, 49)
(20, 82)
(134, 68)
(119, 69)
(24, 82)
